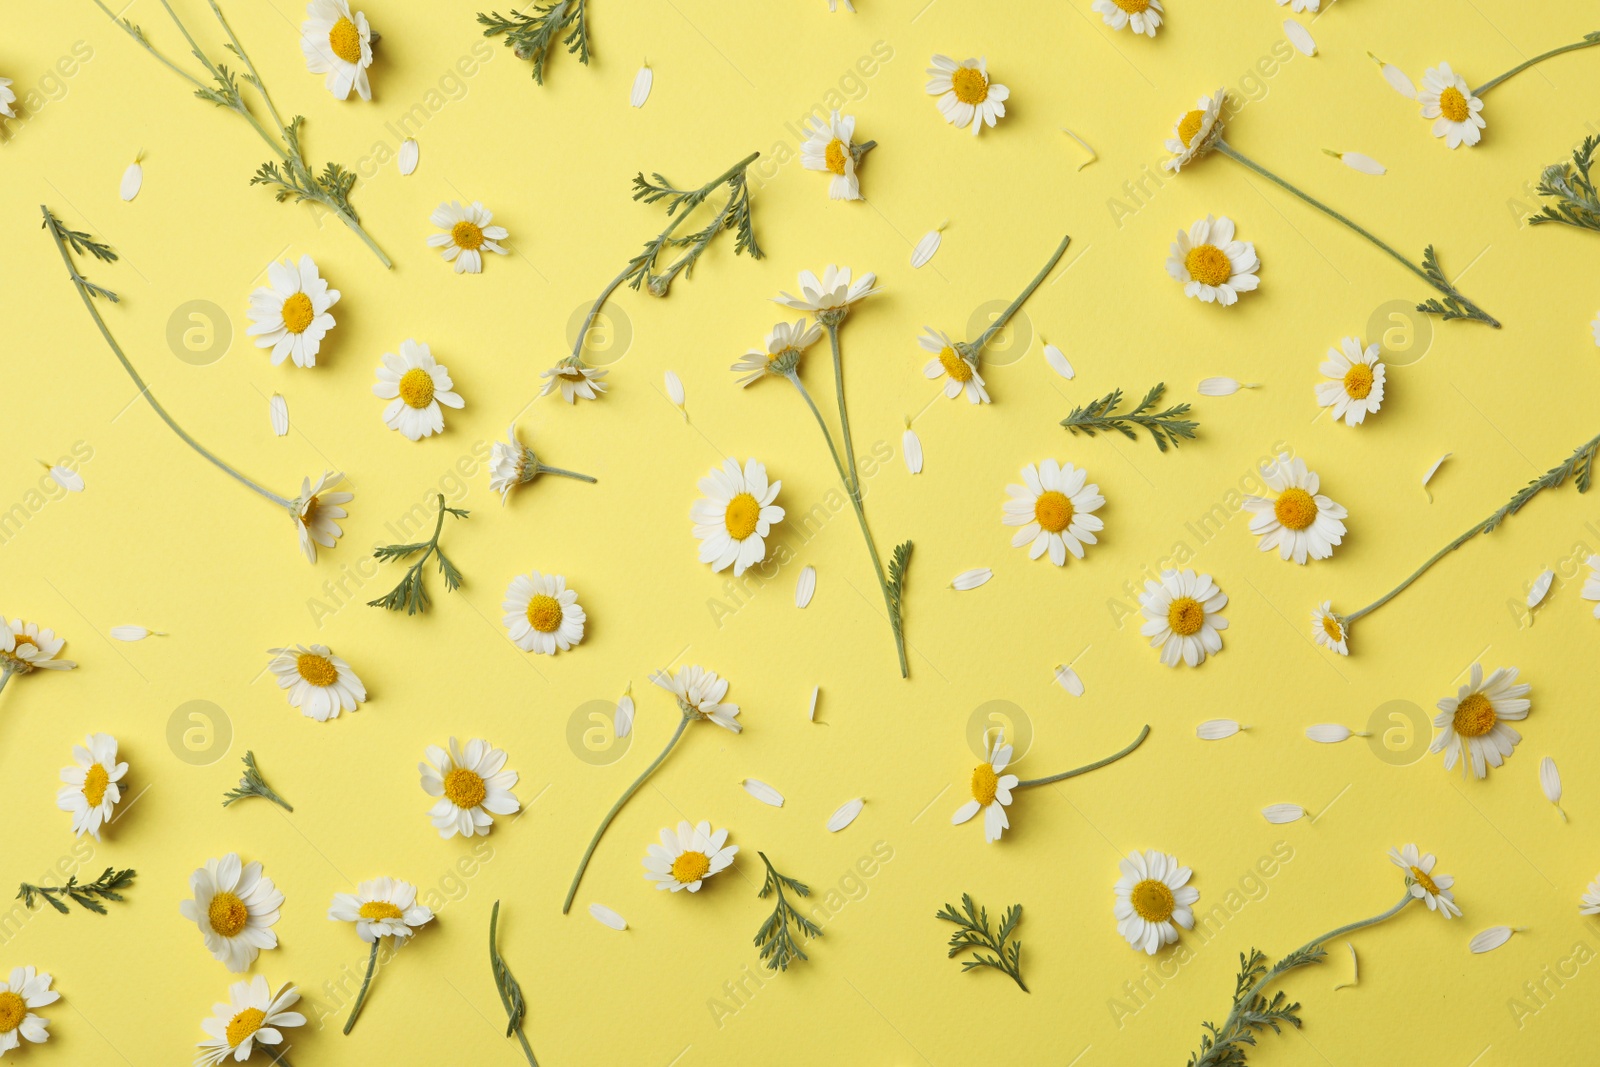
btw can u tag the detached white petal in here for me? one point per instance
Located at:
(911, 449)
(1222, 386)
(1328, 733)
(1490, 939)
(1058, 362)
(132, 180)
(926, 248)
(1540, 588)
(811, 714)
(1358, 162)
(71, 481)
(622, 724)
(763, 792)
(1431, 471)
(1355, 968)
(972, 579)
(845, 815)
(279, 408)
(1550, 782)
(1278, 814)
(139, 633)
(1396, 78)
(408, 156)
(806, 587)
(1216, 729)
(606, 917)
(1300, 37)
(642, 83)
(1068, 679)
(674, 388)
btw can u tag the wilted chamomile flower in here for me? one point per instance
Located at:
(290, 313)
(781, 356)
(1355, 386)
(967, 98)
(338, 44)
(1213, 267)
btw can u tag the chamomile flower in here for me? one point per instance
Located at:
(832, 294)
(320, 684)
(1591, 584)
(415, 385)
(512, 463)
(701, 695)
(1182, 616)
(967, 98)
(26, 647)
(290, 313)
(1329, 629)
(472, 785)
(1299, 522)
(1446, 99)
(991, 791)
(315, 511)
(235, 907)
(785, 344)
(91, 792)
(960, 373)
(1143, 15)
(383, 907)
(467, 235)
(830, 147)
(1154, 898)
(1300, 7)
(1196, 132)
(1589, 903)
(8, 97)
(734, 517)
(254, 1017)
(542, 614)
(1432, 889)
(338, 44)
(1475, 720)
(1355, 386)
(1055, 509)
(575, 381)
(687, 857)
(1213, 267)
(23, 991)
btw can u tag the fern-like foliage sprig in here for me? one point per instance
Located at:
(87, 895)
(1570, 185)
(973, 933)
(1454, 305)
(532, 35)
(254, 785)
(776, 941)
(507, 986)
(1166, 428)
(411, 595)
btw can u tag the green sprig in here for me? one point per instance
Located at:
(1166, 428)
(510, 992)
(532, 36)
(1569, 184)
(254, 785)
(974, 933)
(411, 595)
(86, 896)
(775, 940)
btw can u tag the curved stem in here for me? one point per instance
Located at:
(361, 997)
(5, 676)
(853, 482)
(1418, 573)
(600, 302)
(999, 324)
(583, 864)
(1086, 768)
(540, 468)
(1588, 42)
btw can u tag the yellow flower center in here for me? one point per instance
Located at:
(1453, 105)
(345, 40)
(318, 670)
(1053, 511)
(1332, 628)
(464, 788)
(1419, 876)
(1358, 381)
(1189, 125)
(1186, 616)
(955, 365)
(416, 387)
(1208, 265)
(744, 511)
(1133, 7)
(13, 1009)
(544, 614)
(1295, 509)
(1475, 715)
(227, 914)
(94, 785)
(309, 510)
(984, 784)
(789, 350)
(468, 235)
(297, 313)
(690, 867)
(380, 909)
(1153, 901)
(244, 1024)
(836, 154)
(970, 85)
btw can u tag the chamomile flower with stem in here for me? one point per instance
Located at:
(26, 647)
(91, 792)
(381, 908)
(831, 147)
(1456, 109)
(701, 695)
(992, 788)
(1199, 132)
(253, 1019)
(512, 463)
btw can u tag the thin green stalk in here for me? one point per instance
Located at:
(975, 348)
(5, 676)
(508, 988)
(583, 864)
(853, 482)
(1589, 41)
(361, 997)
(540, 468)
(1086, 768)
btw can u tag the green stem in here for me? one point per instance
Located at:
(144, 390)
(5, 675)
(1589, 41)
(540, 468)
(852, 484)
(583, 864)
(361, 997)
(1087, 767)
(976, 348)
(505, 1001)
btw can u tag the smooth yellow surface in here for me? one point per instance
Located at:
(163, 540)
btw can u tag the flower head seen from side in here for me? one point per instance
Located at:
(1181, 613)
(254, 1017)
(959, 372)
(1329, 630)
(1154, 898)
(383, 907)
(786, 343)
(472, 785)
(512, 463)
(26, 647)
(967, 98)
(1474, 721)
(338, 44)
(8, 96)
(734, 517)
(1299, 522)
(23, 991)
(467, 235)
(415, 384)
(687, 856)
(1425, 884)
(1355, 386)
(290, 313)
(831, 294)
(831, 148)
(316, 512)
(1589, 903)
(542, 615)
(991, 791)
(1456, 113)
(235, 906)
(701, 695)
(1054, 508)
(1196, 132)
(91, 792)
(1211, 265)
(1143, 16)
(575, 381)
(319, 683)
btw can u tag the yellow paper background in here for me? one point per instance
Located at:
(161, 539)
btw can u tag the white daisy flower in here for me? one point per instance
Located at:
(254, 1017)
(959, 372)
(1196, 132)
(472, 785)
(1154, 898)
(833, 292)
(687, 857)
(512, 463)
(290, 313)
(575, 381)
(1183, 621)
(467, 235)
(542, 614)
(734, 517)
(415, 384)
(235, 907)
(338, 44)
(26, 647)
(1300, 521)
(781, 356)
(966, 95)
(1143, 15)
(7, 97)
(1213, 267)
(831, 147)
(25, 990)
(1433, 889)
(91, 792)
(1589, 903)
(315, 511)
(383, 907)
(1054, 508)
(1355, 388)
(1446, 99)
(1329, 629)
(991, 791)
(700, 693)
(1591, 584)
(320, 684)
(1475, 720)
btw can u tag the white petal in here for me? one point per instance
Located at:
(408, 156)
(132, 180)
(911, 449)
(845, 815)
(1428, 476)
(1550, 780)
(1300, 37)
(1068, 679)
(763, 792)
(1278, 814)
(1540, 588)
(132, 633)
(279, 408)
(71, 481)
(1216, 729)
(973, 578)
(674, 388)
(622, 723)
(925, 248)
(642, 82)
(806, 587)
(606, 917)
(812, 713)
(1364, 164)
(1490, 939)
(1058, 362)
(1221, 386)
(1328, 733)
(1398, 81)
